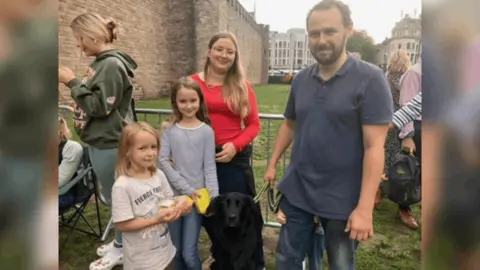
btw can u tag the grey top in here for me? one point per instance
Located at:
(72, 154)
(324, 176)
(192, 151)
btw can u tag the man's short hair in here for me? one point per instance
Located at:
(328, 4)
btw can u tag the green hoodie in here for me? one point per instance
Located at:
(103, 99)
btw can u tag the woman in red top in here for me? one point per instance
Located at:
(231, 103)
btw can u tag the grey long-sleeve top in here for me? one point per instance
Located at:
(72, 154)
(192, 151)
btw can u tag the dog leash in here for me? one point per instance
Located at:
(273, 200)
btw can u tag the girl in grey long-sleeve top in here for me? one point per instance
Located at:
(192, 151)
(187, 157)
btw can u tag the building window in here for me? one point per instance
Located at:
(399, 46)
(300, 44)
(408, 46)
(300, 54)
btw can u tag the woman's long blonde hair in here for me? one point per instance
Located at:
(399, 62)
(235, 88)
(127, 142)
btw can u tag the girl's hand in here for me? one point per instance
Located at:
(167, 214)
(196, 195)
(65, 75)
(227, 153)
(183, 205)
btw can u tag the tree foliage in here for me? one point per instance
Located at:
(364, 44)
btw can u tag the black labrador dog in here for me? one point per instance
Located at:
(232, 218)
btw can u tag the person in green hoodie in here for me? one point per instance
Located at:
(103, 100)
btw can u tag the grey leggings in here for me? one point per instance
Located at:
(103, 162)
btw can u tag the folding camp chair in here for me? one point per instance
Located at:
(74, 198)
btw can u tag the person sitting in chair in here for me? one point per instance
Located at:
(70, 154)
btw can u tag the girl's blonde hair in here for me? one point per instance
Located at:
(63, 129)
(95, 27)
(126, 143)
(235, 89)
(399, 62)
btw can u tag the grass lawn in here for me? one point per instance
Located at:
(393, 246)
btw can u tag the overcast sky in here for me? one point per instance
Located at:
(376, 16)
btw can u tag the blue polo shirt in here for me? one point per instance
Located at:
(324, 176)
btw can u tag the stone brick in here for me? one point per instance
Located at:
(167, 38)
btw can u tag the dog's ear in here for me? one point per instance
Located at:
(250, 205)
(215, 206)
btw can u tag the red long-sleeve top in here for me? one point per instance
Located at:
(226, 125)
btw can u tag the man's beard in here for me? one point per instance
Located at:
(332, 56)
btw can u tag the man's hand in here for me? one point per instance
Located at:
(270, 175)
(408, 143)
(360, 224)
(281, 218)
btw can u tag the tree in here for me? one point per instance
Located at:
(363, 44)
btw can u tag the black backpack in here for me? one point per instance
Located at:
(404, 183)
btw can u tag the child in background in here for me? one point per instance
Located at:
(189, 145)
(136, 195)
(70, 154)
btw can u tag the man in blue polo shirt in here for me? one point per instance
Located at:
(338, 114)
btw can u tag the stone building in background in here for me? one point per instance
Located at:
(406, 35)
(167, 38)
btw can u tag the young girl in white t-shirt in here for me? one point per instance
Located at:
(143, 202)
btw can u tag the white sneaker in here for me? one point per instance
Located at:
(104, 249)
(109, 261)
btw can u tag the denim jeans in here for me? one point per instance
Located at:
(315, 254)
(103, 163)
(295, 240)
(185, 233)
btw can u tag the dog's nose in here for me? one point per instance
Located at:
(232, 217)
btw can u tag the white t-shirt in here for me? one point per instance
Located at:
(150, 248)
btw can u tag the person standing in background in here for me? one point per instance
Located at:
(398, 64)
(410, 86)
(103, 105)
